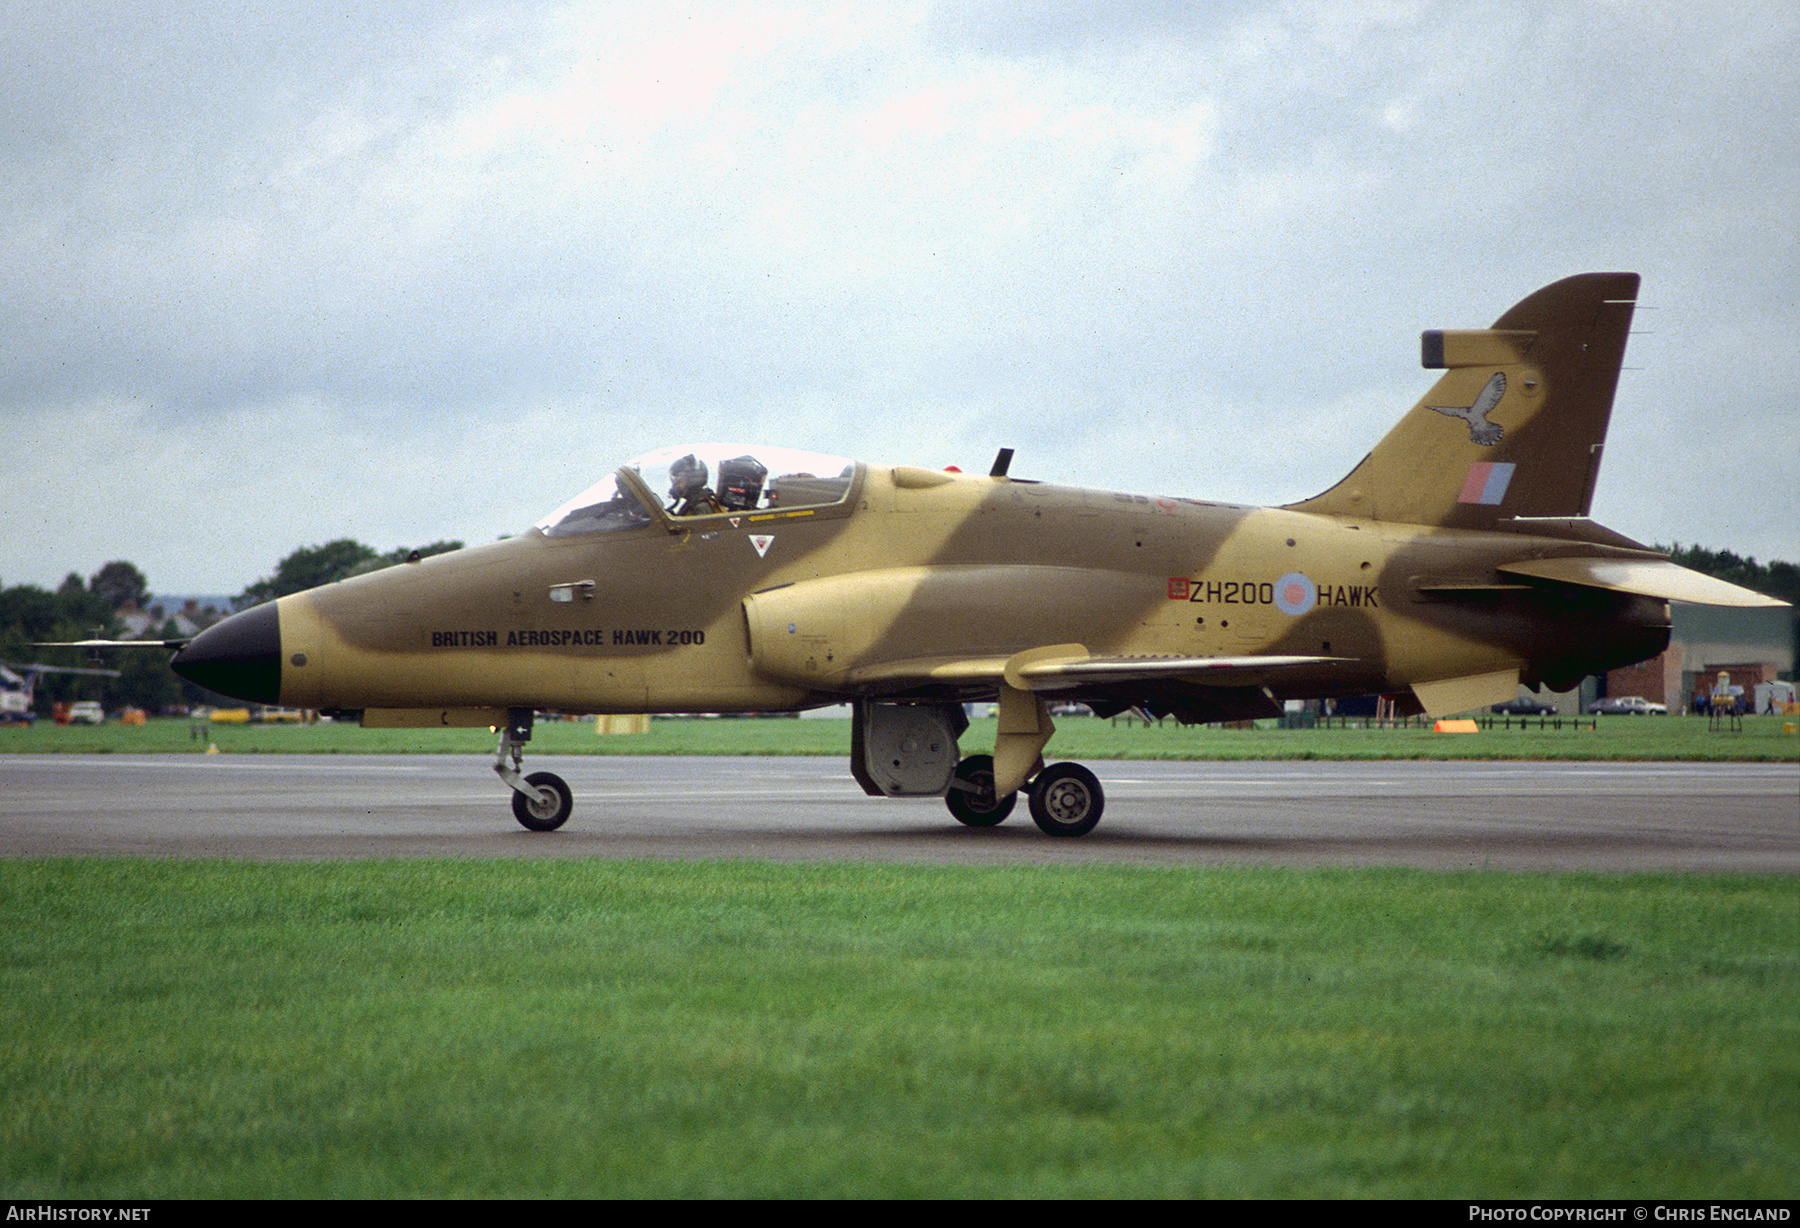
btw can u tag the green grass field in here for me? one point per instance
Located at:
(1650, 738)
(500, 1028)
(744, 1029)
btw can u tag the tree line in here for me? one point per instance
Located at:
(99, 606)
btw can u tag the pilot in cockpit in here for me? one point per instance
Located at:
(688, 492)
(741, 483)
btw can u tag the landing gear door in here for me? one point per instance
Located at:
(905, 750)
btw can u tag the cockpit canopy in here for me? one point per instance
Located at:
(703, 480)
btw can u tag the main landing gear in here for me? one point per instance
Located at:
(540, 801)
(971, 798)
(1065, 798)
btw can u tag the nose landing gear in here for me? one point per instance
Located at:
(540, 801)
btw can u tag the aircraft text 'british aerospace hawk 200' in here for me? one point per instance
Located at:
(1454, 563)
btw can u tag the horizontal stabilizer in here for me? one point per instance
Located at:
(1571, 528)
(1644, 577)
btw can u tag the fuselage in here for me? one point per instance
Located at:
(795, 607)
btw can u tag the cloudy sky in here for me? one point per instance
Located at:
(278, 272)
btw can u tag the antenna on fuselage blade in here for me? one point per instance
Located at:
(1002, 463)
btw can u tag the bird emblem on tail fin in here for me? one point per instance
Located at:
(1481, 431)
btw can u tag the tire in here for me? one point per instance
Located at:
(549, 813)
(1066, 800)
(978, 808)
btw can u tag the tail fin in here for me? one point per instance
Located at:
(1516, 425)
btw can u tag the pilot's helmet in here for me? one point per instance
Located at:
(741, 482)
(688, 473)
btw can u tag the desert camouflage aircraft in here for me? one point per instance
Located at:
(1454, 563)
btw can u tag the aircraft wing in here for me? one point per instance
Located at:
(1070, 667)
(171, 644)
(60, 669)
(1053, 673)
(1644, 577)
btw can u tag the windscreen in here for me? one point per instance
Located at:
(704, 480)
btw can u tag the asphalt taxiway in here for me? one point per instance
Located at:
(1705, 817)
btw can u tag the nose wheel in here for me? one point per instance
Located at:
(547, 806)
(540, 801)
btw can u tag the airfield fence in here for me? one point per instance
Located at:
(1308, 720)
(1425, 722)
(1539, 722)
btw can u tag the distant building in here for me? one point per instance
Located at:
(1752, 646)
(191, 617)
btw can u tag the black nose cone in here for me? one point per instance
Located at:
(240, 656)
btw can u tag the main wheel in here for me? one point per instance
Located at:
(1066, 800)
(977, 806)
(550, 809)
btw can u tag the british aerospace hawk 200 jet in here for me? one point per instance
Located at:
(1454, 563)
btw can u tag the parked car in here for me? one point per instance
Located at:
(86, 712)
(1524, 705)
(1629, 705)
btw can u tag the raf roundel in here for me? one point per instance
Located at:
(1295, 594)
